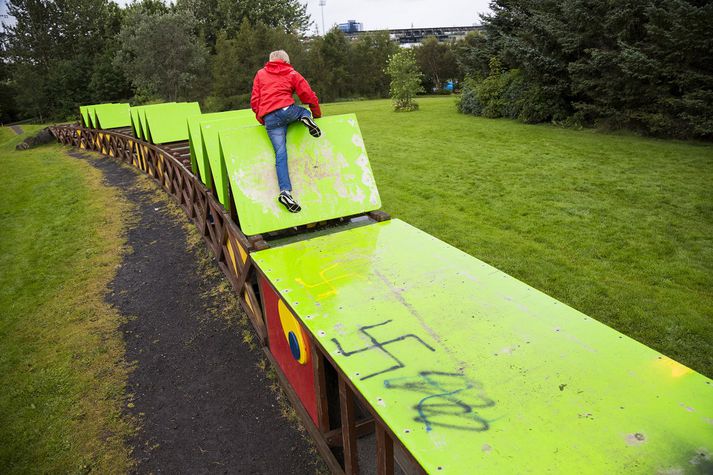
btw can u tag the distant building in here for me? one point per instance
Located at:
(413, 36)
(350, 27)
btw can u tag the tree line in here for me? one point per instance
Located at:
(643, 65)
(62, 53)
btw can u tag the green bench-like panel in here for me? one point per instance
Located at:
(112, 116)
(199, 162)
(477, 372)
(214, 170)
(331, 175)
(165, 123)
(84, 111)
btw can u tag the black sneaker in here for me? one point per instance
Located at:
(311, 126)
(286, 199)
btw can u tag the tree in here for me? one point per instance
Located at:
(405, 80)
(369, 56)
(53, 48)
(238, 59)
(329, 70)
(8, 107)
(287, 15)
(161, 55)
(437, 62)
(214, 17)
(643, 65)
(473, 54)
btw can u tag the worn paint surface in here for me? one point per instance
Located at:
(331, 175)
(166, 123)
(477, 372)
(196, 141)
(111, 116)
(213, 168)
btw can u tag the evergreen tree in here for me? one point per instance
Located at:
(238, 59)
(329, 66)
(473, 53)
(644, 65)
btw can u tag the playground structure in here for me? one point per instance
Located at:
(388, 341)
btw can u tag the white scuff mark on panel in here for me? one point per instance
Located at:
(358, 140)
(367, 178)
(438, 439)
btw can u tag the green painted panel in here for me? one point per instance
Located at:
(91, 121)
(214, 171)
(93, 115)
(145, 133)
(111, 116)
(84, 112)
(167, 122)
(194, 133)
(331, 175)
(138, 119)
(477, 372)
(136, 122)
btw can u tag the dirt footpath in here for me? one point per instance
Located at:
(204, 405)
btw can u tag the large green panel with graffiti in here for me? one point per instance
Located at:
(112, 116)
(199, 162)
(331, 175)
(215, 171)
(167, 123)
(477, 372)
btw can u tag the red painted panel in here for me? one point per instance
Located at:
(300, 376)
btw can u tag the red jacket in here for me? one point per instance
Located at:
(273, 87)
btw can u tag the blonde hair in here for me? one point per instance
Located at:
(281, 55)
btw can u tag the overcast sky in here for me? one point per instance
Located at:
(382, 14)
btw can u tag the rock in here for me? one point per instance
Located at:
(42, 137)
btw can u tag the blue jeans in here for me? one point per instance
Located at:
(276, 123)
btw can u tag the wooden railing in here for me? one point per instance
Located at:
(343, 415)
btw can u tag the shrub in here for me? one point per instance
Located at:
(405, 80)
(509, 94)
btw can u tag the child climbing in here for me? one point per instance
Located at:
(275, 108)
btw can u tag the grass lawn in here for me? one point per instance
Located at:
(60, 354)
(617, 226)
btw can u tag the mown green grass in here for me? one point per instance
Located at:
(61, 358)
(617, 226)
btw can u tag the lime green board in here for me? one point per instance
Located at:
(136, 122)
(145, 133)
(477, 372)
(83, 111)
(138, 119)
(93, 116)
(112, 116)
(194, 133)
(213, 168)
(91, 121)
(167, 122)
(331, 175)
